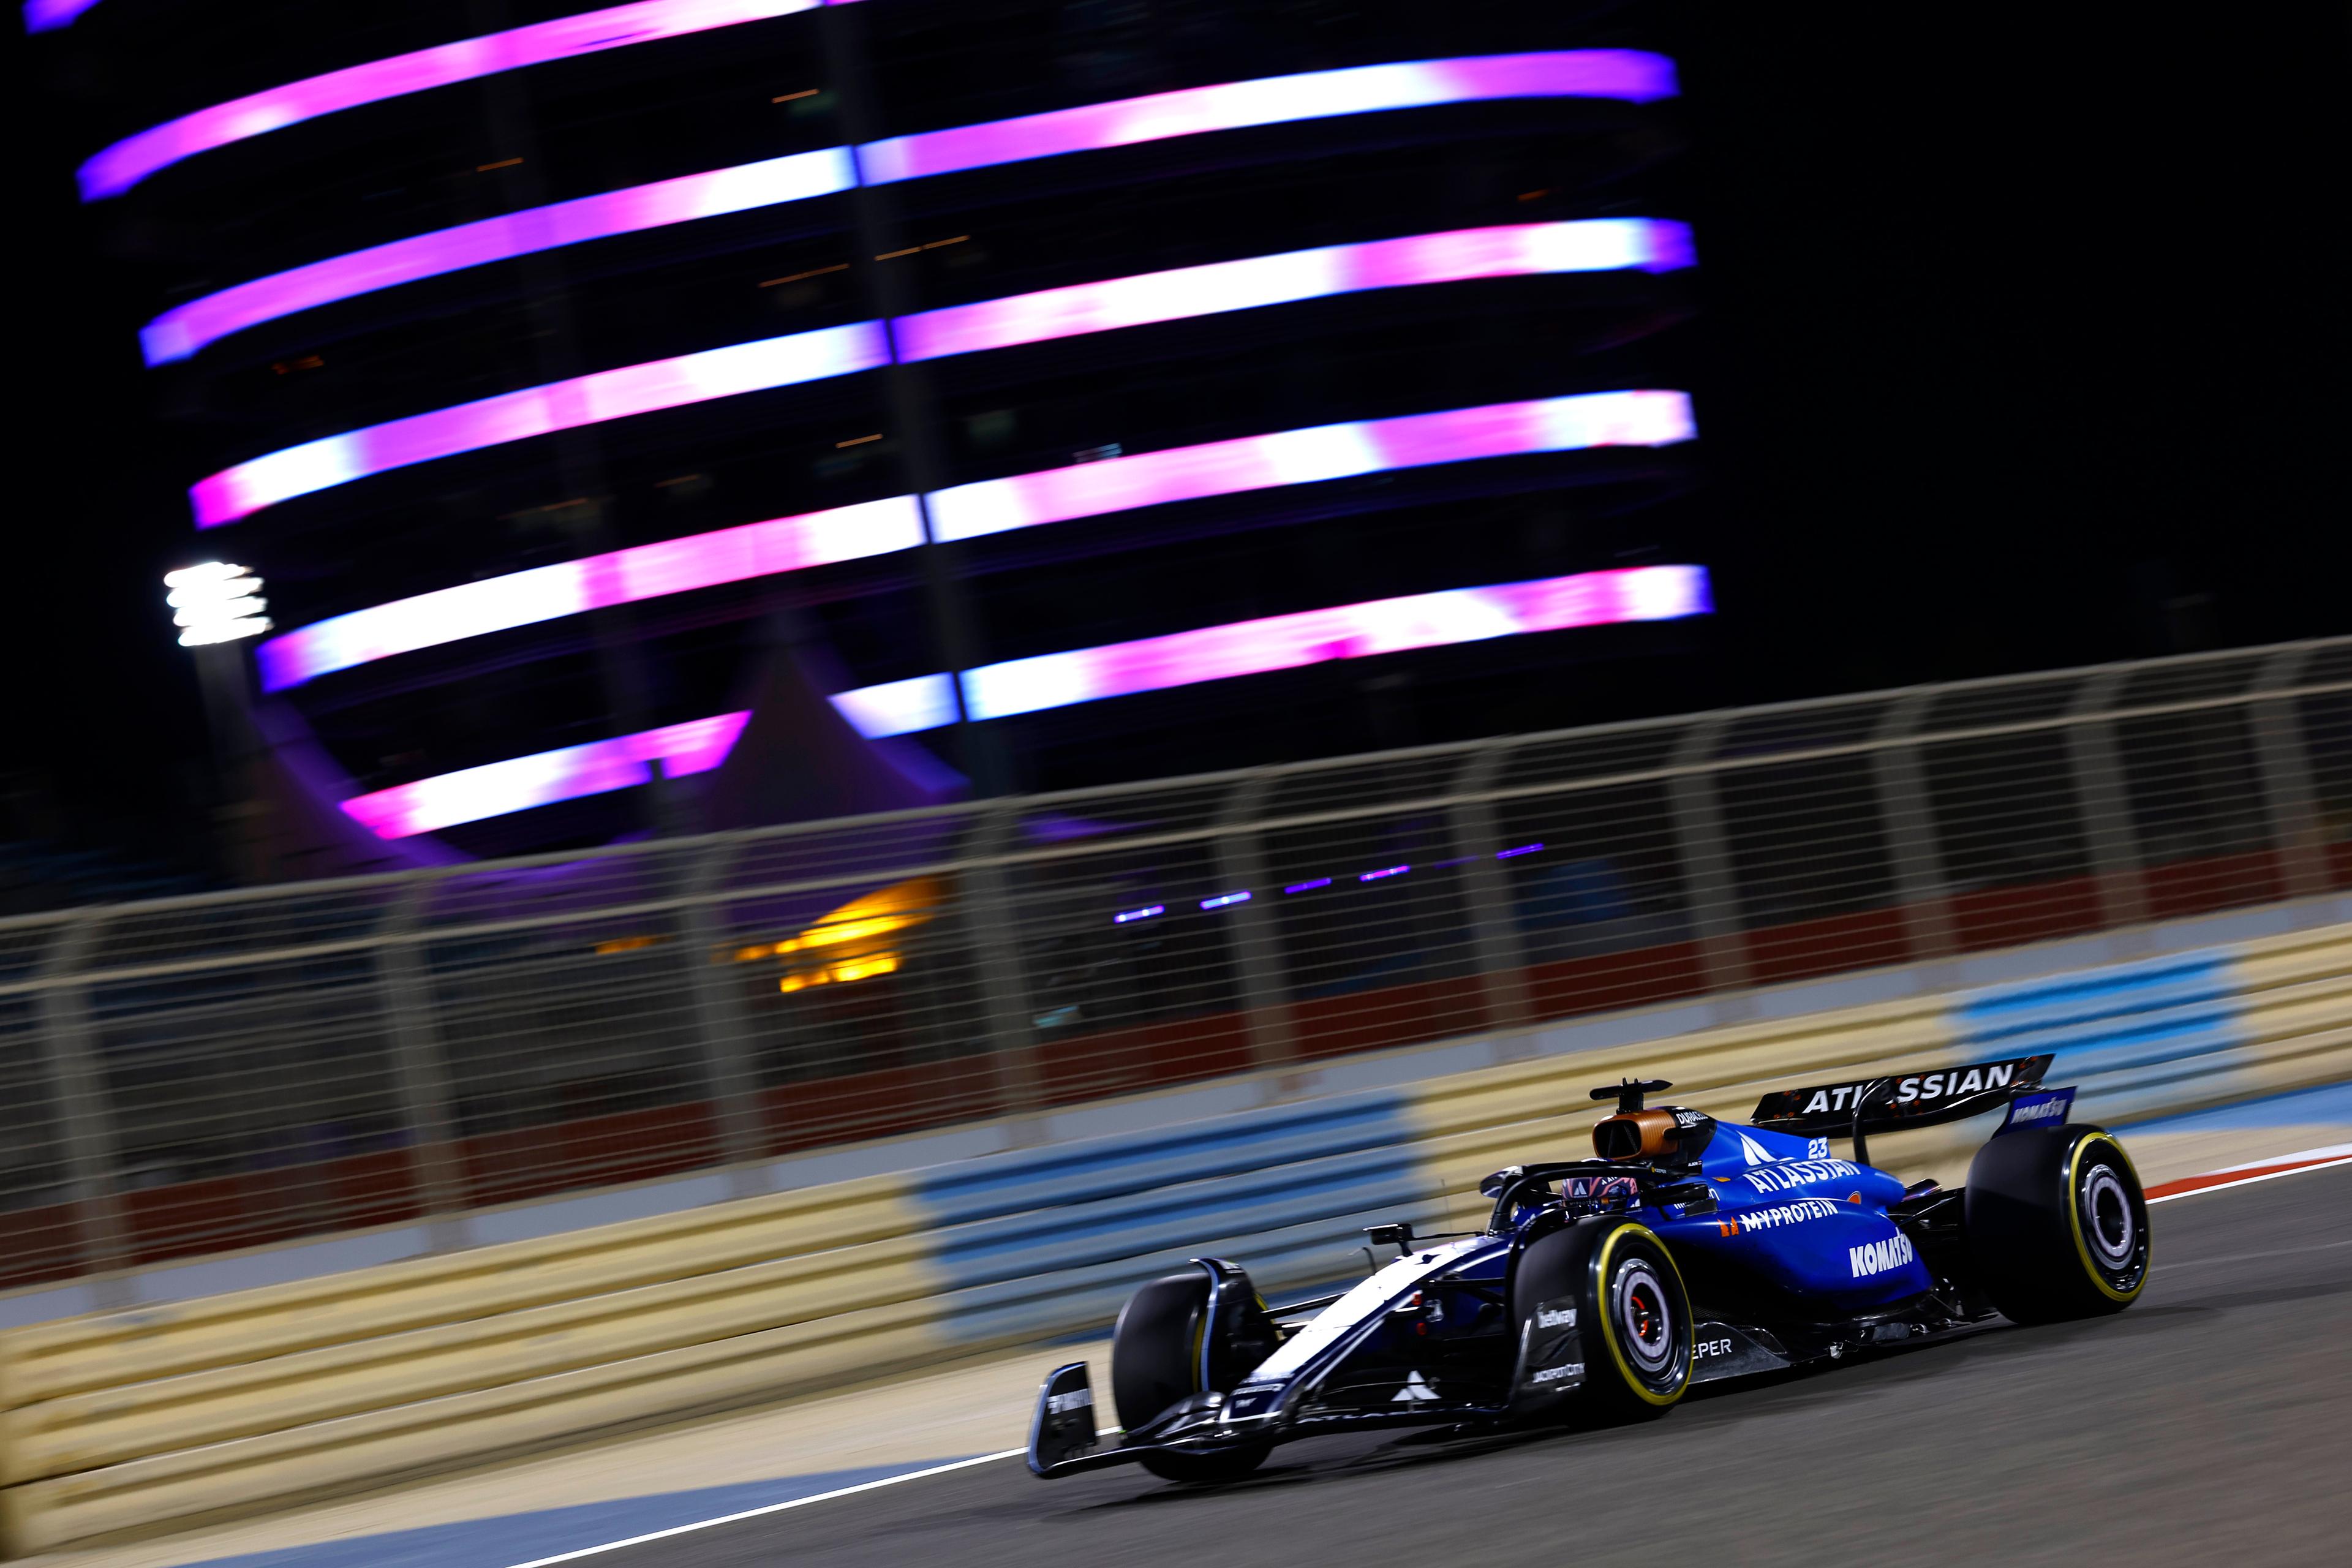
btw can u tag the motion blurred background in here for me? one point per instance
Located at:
(864, 596)
(2014, 342)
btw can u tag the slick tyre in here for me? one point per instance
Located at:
(1633, 1315)
(1155, 1361)
(2056, 1224)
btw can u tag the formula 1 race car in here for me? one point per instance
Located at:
(1687, 1251)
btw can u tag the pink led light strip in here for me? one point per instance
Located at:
(1643, 418)
(116, 169)
(1628, 74)
(1625, 74)
(519, 784)
(1055, 681)
(182, 330)
(333, 460)
(1518, 250)
(1282, 642)
(1514, 250)
(1024, 501)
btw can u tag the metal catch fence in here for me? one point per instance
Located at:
(196, 1074)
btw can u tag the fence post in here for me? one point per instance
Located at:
(1256, 939)
(990, 914)
(421, 1068)
(1904, 807)
(1494, 926)
(2280, 752)
(1708, 881)
(728, 1061)
(2105, 804)
(85, 1117)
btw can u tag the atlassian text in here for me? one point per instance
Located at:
(1798, 1174)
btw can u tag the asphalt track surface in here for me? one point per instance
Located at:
(2211, 1422)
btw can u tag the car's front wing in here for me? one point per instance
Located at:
(1064, 1441)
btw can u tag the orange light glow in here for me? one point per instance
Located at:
(852, 941)
(627, 943)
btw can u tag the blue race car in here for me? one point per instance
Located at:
(1687, 1250)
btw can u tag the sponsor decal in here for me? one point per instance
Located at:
(1917, 1087)
(1689, 1118)
(1063, 1403)
(2047, 1109)
(1953, 1084)
(1779, 1214)
(1792, 1174)
(1905, 1099)
(1754, 1153)
(1556, 1373)
(1555, 1317)
(1702, 1349)
(1414, 1391)
(1878, 1257)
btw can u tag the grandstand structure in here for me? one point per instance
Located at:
(702, 413)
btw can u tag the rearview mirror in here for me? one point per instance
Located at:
(1695, 1197)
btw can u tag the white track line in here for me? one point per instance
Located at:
(2250, 1181)
(1008, 1453)
(2320, 1154)
(772, 1507)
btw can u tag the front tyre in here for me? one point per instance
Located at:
(1633, 1314)
(2057, 1225)
(1155, 1361)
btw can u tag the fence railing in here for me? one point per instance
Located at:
(195, 1074)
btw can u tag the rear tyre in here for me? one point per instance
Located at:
(1633, 1314)
(1155, 1361)
(2056, 1224)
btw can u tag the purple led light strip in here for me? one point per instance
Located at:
(1284, 642)
(1519, 249)
(1310, 95)
(116, 169)
(333, 460)
(1644, 419)
(519, 784)
(182, 330)
(567, 588)
(48, 15)
(1024, 501)
(1222, 901)
(1628, 74)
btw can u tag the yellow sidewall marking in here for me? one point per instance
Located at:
(1609, 1317)
(2075, 1220)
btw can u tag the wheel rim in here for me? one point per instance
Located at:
(1646, 1318)
(2107, 1221)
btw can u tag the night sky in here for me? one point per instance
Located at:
(2028, 345)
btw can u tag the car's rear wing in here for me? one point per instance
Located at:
(1900, 1100)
